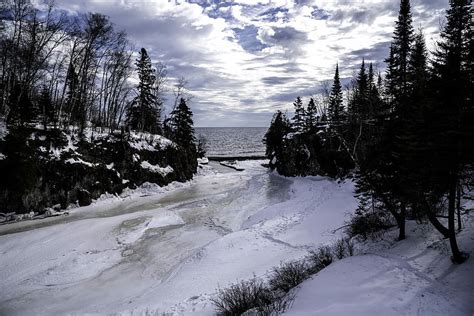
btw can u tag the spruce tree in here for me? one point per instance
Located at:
(390, 80)
(373, 98)
(336, 107)
(274, 138)
(358, 104)
(143, 112)
(311, 115)
(299, 119)
(452, 131)
(401, 46)
(182, 125)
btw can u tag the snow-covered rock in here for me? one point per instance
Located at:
(164, 171)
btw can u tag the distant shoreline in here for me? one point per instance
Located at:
(239, 158)
(197, 127)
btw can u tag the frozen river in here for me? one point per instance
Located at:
(166, 252)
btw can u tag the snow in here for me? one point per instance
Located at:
(203, 161)
(150, 142)
(3, 129)
(411, 277)
(165, 250)
(164, 171)
(79, 161)
(56, 152)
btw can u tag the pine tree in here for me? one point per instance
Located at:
(452, 131)
(299, 119)
(409, 148)
(336, 107)
(401, 46)
(391, 80)
(418, 69)
(182, 125)
(274, 137)
(358, 105)
(311, 115)
(143, 113)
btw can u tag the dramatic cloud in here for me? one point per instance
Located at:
(245, 59)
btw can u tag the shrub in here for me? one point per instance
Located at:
(288, 275)
(243, 296)
(368, 224)
(349, 246)
(319, 259)
(339, 249)
(32, 200)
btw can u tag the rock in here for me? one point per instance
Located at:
(84, 197)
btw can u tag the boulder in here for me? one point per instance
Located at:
(84, 197)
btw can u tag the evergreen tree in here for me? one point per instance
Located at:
(358, 105)
(46, 106)
(299, 119)
(401, 46)
(143, 112)
(311, 115)
(390, 80)
(22, 110)
(182, 125)
(409, 148)
(336, 107)
(274, 137)
(374, 102)
(418, 69)
(452, 132)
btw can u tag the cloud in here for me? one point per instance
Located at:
(244, 59)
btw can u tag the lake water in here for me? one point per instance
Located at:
(233, 141)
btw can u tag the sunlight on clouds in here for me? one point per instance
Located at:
(256, 56)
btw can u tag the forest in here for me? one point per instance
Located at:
(81, 109)
(405, 135)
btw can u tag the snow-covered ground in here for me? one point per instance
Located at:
(169, 251)
(411, 277)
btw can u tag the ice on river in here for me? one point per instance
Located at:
(167, 252)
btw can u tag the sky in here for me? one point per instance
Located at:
(245, 59)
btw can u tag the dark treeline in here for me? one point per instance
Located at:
(74, 99)
(61, 70)
(407, 136)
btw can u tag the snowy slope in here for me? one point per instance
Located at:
(410, 277)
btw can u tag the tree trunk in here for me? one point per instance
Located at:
(399, 217)
(457, 255)
(434, 221)
(458, 207)
(401, 222)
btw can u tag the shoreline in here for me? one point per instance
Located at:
(238, 158)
